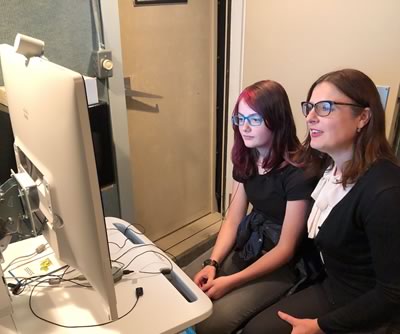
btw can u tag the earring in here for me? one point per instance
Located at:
(359, 130)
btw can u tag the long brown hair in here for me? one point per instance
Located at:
(370, 143)
(269, 99)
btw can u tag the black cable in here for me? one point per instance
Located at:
(126, 240)
(36, 277)
(233, 197)
(71, 280)
(132, 248)
(136, 246)
(138, 293)
(120, 247)
(170, 255)
(128, 227)
(61, 278)
(150, 251)
(18, 288)
(19, 258)
(50, 274)
(150, 272)
(65, 271)
(119, 262)
(23, 262)
(114, 243)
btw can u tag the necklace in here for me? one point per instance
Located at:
(261, 169)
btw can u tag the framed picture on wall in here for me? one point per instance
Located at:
(152, 2)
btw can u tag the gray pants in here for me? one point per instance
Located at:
(311, 302)
(234, 309)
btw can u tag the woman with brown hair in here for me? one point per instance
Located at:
(355, 220)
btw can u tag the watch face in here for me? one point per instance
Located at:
(207, 262)
(210, 262)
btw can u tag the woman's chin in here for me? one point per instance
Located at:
(249, 144)
(317, 147)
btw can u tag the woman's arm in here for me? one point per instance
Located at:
(292, 230)
(227, 235)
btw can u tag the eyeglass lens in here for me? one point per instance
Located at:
(322, 108)
(253, 120)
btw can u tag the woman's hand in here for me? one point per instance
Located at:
(204, 276)
(301, 326)
(218, 287)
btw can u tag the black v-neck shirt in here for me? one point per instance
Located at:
(268, 193)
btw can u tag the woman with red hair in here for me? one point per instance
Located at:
(252, 264)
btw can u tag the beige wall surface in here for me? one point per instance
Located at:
(294, 42)
(169, 54)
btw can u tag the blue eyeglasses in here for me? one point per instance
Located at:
(253, 120)
(323, 108)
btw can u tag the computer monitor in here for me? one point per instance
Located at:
(49, 116)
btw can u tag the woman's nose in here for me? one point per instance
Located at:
(246, 126)
(312, 116)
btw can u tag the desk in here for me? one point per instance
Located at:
(161, 309)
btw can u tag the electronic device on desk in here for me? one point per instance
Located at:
(56, 182)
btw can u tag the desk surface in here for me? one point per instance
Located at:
(161, 309)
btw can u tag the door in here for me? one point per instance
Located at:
(169, 60)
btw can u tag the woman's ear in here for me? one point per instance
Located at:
(364, 118)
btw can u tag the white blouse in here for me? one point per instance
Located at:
(328, 192)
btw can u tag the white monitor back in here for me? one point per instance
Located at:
(49, 116)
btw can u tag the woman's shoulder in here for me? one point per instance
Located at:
(297, 172)
(384, 168)
(378, 190)
(382, 174)
(288, 168)
(296, 178)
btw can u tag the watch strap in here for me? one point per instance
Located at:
(211, 262)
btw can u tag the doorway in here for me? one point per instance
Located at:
(169, 57)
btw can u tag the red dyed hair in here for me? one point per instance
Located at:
(268, 99)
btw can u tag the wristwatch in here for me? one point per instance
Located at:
(210, 262)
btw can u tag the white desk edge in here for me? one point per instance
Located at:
(162, 309)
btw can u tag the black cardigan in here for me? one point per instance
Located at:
(360, 245)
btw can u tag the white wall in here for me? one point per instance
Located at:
(294, 42)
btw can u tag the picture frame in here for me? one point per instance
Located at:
(157, 2)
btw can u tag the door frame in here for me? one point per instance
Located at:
(235, 79)
(118, 110)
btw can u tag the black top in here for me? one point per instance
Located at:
(268, 193)
(360, 245)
